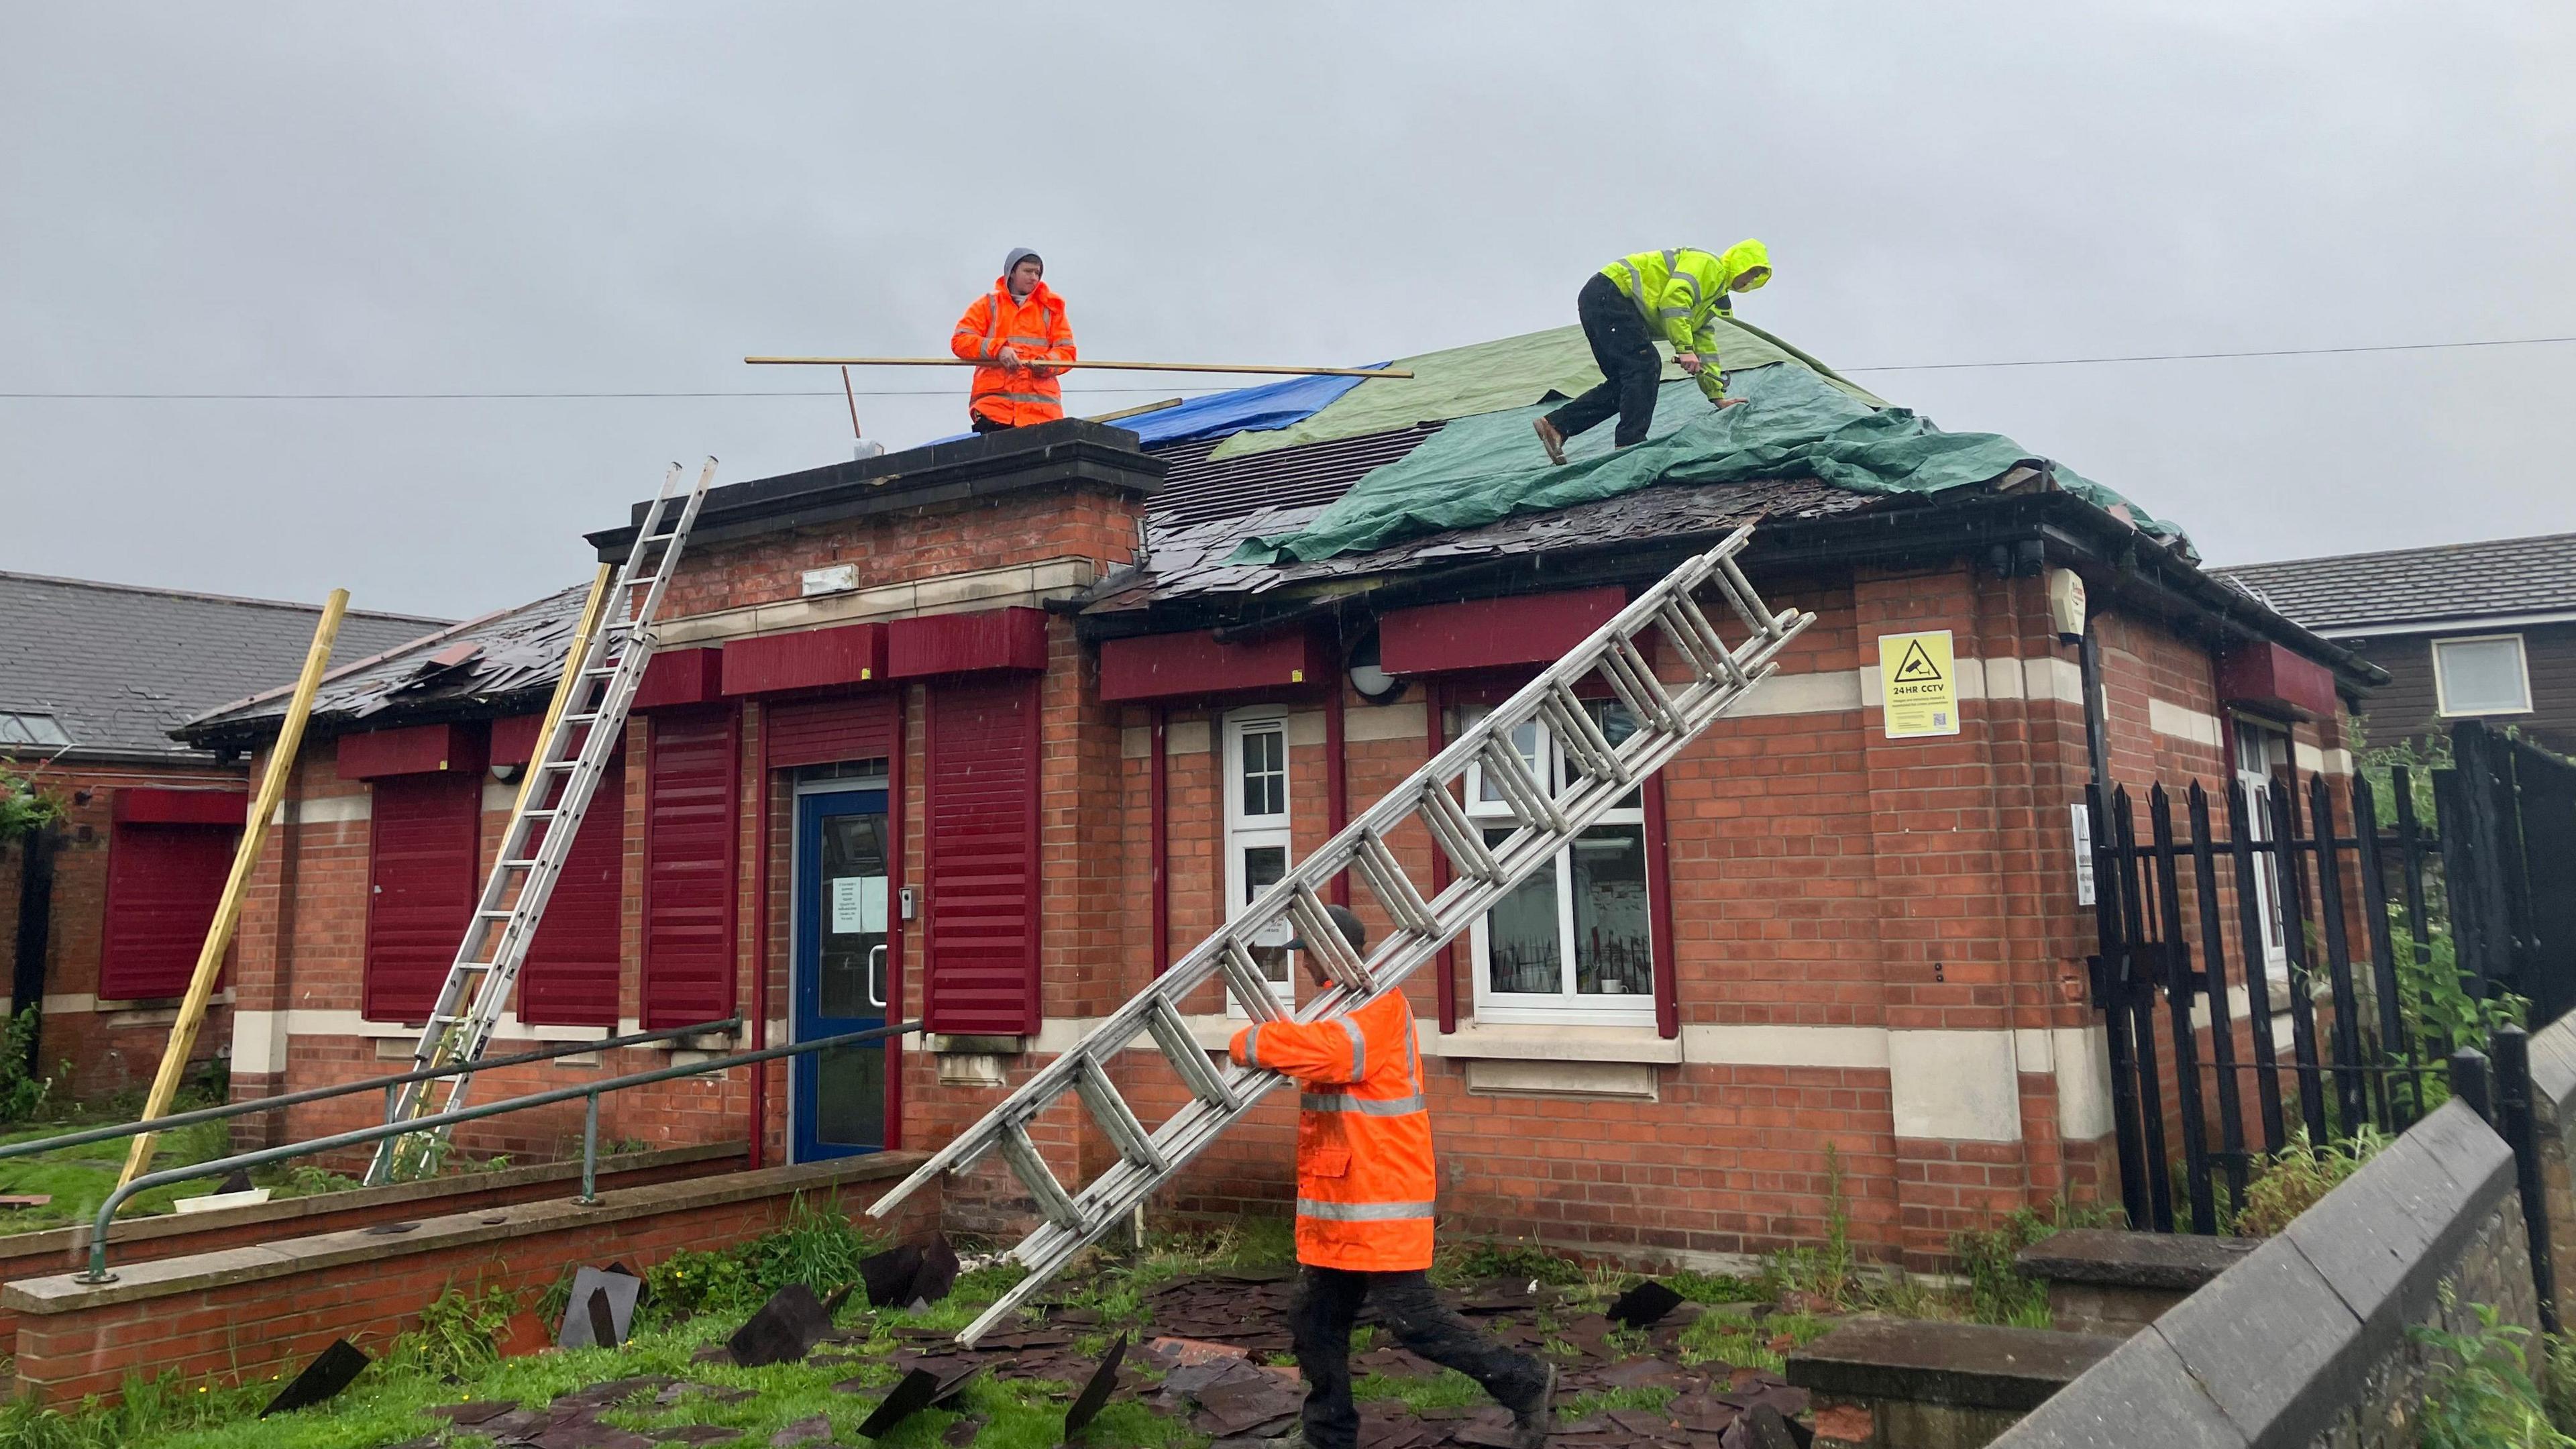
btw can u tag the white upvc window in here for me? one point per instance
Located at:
(2263, 753)
(1257, 847)
(1573, 942)
(2482, 675)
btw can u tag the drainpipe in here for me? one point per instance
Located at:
(756, 1156)
(1157, 807)
(2097, 744)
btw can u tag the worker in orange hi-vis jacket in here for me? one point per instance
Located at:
(1019, 328)
(1365, 1187)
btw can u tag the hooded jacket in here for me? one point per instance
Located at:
(1680, 290)
(1036, 330)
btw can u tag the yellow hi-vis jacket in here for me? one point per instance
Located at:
(1681, 289)
(1365, 1182)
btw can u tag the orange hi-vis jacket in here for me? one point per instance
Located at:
(1365, 1182)
(1036, 331)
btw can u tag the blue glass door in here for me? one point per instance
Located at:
(840, 973)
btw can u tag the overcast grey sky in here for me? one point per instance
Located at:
(480, 198)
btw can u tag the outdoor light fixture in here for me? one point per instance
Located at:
(1369, 678)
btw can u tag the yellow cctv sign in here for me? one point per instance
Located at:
(1918, 683)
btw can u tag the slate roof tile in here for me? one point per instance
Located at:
(118, 665)
(2419, 585)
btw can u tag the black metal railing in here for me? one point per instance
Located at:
(2301, 966)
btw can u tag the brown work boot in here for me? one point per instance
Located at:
(1534, 1420)
(1552, 440)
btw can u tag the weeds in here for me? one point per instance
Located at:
(1747, 1342)
(1472, 1263)
(2482, 1396)
(2294, 1178)
(459, 1334)
(819, 1247)
(22, 1092)
(1997, 1290)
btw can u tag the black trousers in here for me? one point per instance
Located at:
(977, 422)
(1326, 1304)
(1630, 368)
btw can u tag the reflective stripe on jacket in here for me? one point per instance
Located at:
(1034, 329)
(1680, 290)
(1365, 1182)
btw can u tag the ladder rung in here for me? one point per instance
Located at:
(1117, 1118)
(525, 862)
(1459, 837)
(1182, 1050)
(1387, 881)
(1250, 987)
(583, 719)
(1325, 941)
(1033, 1173)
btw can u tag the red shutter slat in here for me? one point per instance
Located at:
(422, 848)
(571, 975)
(981, 841)
(829, 731)
(163, 884)
(689, 828)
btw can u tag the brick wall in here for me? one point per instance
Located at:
(197, 1319)
(115, 1045)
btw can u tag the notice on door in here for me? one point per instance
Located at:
(1918, 681)
(858, 905)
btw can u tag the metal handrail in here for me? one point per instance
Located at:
(590, 1129)
(177, 1120)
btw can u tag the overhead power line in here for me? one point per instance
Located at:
(951, 391)
(2206, 356)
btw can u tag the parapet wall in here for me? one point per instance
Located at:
(2307, 1341)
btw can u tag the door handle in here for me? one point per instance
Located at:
(877, 976)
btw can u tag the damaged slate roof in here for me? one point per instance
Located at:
(2349, 593)
(509, 659)
(114, 667)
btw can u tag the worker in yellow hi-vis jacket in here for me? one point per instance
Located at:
(1624, 307)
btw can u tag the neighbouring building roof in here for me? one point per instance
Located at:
(2351, 593)
(91, 670)
(505, 659)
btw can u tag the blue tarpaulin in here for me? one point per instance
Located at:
(1271, 405)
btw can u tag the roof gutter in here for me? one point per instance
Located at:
(2119, 560)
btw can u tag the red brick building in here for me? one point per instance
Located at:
(985, 732)
(106, 912)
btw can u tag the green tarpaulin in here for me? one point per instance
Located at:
(1487, 378)
(1793, 423)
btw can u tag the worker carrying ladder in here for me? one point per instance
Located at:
(1543, 821)
(610, 647)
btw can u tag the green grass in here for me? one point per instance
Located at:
(1745, 1342)
(384, 1406)
(80, 1178)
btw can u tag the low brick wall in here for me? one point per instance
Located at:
(2305, 1342)
(144, 1240)
(250, 1312)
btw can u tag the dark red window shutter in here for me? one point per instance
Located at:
(981, 840)
(163, 883)
(829, 731)
(690, 822)
(424, 838)
(571, 974)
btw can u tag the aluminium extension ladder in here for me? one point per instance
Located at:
(564, 771)
(1542, 822)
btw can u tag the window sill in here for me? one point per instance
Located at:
(1558, 1043)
